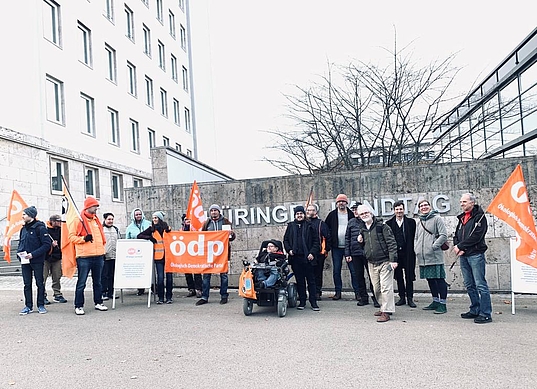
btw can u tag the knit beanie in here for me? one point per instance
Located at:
(31, 211)
(299, 208)
(159, 214)
(215, 206)
(90, 202)
(342, 197)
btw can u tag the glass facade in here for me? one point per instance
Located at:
(499, 118)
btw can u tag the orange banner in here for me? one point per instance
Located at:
(69, 215)
(194, 211)
(511, 205)
(14, 221)
(196, 251)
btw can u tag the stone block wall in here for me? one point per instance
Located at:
(247, 202)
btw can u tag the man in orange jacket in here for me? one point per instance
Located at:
(88, 237)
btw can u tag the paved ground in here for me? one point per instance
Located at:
(215, 346)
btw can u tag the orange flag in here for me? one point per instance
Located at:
(512, 205)
(69, 215)
(194, 212)
(14, 221)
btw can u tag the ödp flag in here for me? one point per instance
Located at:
(14, 221)
(196, 251)
(69, 216)
(511, 205)
(194, 211)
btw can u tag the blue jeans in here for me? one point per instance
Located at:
(272, 278)
(159, 265)
(337, 261)
(37, 269)
(84, 265)
(473, 273)
(206, 286)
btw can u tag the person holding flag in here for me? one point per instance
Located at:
(86, 233)
(14, 222)
(470, 247)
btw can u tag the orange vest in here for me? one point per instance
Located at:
(158, 248)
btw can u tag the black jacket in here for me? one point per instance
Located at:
(34, 239)
(470, 237)
(332, 222)
(324, 233)
(303, 240)
(56, 253)
(352, 247)
(406, 256)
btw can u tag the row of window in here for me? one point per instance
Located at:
(55, 103)
(60, 168)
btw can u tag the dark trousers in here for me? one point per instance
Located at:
(159, 265)
(86, 265)
(304, 273)
(361, 269)
(318, 270)
(438, 287)
(193, 281)
(107, 279)
(37, 270)
(402, 279)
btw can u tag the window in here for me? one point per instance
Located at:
(135, 136)
(129, 15)
(85, 44)
(159, 11)
(109, 10)
(178, 147)
(131, 76)
(55, 100)
(112, 67)
(176, 112)
(173, 67)
(165, 141)
(185, 79)
(88, 114)
(182, 36)
(187, 119)
(161, 56)
(117, 187)
(147, 40)
(171, 18)
(189, 153)
(151, 135)
(137, 182)
(113, 122)
(51, 22)
(92, 181)
(58, 169)
(163, 102)
(149, 91)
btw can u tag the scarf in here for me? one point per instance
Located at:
(86, 219)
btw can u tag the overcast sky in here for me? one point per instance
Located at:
(249, 53)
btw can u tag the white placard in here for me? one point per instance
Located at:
(523, 277)
(134, 264)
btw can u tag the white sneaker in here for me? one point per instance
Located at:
(79, 311)
(101, 307)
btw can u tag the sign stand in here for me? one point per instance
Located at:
(134, 267)
(523, 277)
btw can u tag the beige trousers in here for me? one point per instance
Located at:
(382, 280)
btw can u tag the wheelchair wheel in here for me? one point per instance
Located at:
(282, 307)
(292, 294)
(247, 307)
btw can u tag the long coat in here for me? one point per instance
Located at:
(406, 257)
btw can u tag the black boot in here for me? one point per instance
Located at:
(336, 296)
(401, 301)
(411, 303)
(375, 302)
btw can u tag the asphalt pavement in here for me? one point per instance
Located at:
(216, 346)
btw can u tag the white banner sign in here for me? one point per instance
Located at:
(523, 277)
(134, 264)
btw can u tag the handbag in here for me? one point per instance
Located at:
(445, 245)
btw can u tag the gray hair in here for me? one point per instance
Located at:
(364, 207)
(471, 196)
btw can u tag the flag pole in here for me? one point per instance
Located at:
(74, 205)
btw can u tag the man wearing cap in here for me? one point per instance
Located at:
(53, 260)
(302, 244)
(324, 246)
(214, 223)
(88, 237)
(337, 221)
(34, 245)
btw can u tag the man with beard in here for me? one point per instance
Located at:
(302, 244)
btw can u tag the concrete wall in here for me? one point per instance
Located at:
(443, 184)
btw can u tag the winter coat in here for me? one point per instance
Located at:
(379, 243)
(134, 229)
(352, 247)
(55, 234)
(407, 252)
(428, 245)
(35, 240)
(324, 235)
(470, 237)
(303, 240)
(112, 235)
(332, 222)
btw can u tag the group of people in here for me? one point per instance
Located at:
(381, 251)
(388, 251)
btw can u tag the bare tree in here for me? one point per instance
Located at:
(364, 114)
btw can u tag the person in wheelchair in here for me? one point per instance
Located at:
(272, 257)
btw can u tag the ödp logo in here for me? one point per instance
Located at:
(197, 247)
